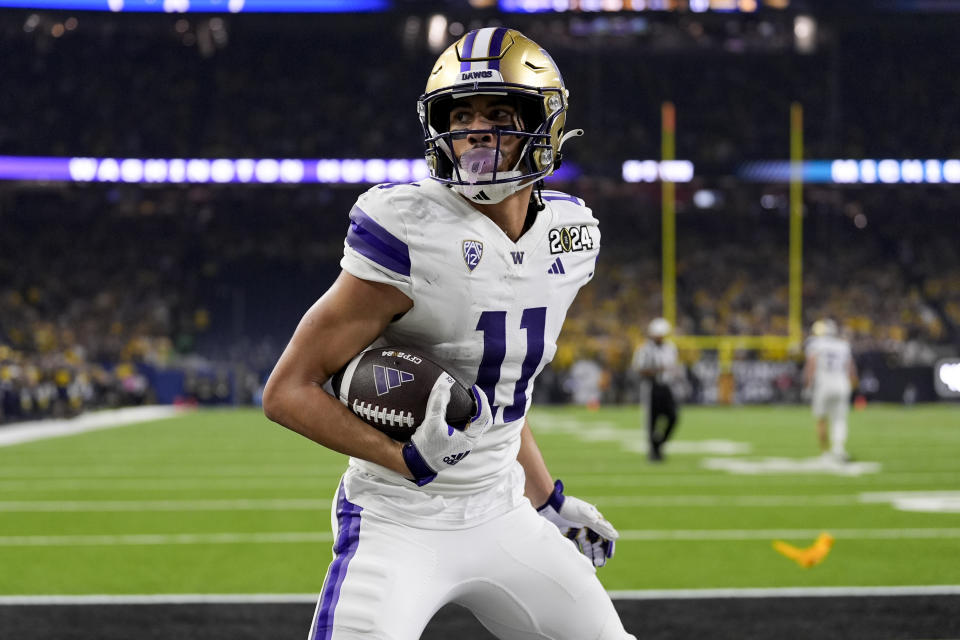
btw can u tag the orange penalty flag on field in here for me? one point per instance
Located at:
(809, 556)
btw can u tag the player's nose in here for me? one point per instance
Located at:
(480, 137)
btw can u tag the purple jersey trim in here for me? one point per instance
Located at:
(372, 241)
(467, 51)
(495, 42)
(557, 195)
(348, 538)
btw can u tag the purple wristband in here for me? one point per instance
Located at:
(556, 498)
(422, 473)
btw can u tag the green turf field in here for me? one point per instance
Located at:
(226, 502)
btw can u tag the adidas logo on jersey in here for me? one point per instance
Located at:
(556, 267)
(387, 378)
(455, 458)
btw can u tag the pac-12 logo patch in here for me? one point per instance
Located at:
(472, 252)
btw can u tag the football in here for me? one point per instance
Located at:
(388, 388)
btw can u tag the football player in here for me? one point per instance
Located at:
(829, 374)
(477, 266)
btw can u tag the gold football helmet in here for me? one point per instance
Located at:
(824, 327)
(497, 61)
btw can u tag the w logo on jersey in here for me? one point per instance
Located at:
(472, 252)
(517, 257)
(387, 378)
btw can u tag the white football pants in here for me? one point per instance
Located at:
(830, 403)
(516, 573)
(833, 404)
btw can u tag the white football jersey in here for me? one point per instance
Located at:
(833, 359)
(486, 307)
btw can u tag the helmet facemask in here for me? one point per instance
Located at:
(477, 173)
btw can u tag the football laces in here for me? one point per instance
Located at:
(381, 415)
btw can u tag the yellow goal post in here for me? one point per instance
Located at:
(726, 345)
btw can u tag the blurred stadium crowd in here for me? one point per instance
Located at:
(104, 289)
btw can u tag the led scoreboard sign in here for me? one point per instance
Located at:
(612, 6)
(205, 6)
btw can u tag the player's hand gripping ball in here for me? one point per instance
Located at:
(437, 445)
(389, 389)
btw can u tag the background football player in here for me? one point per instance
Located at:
(476, 266)
(829, 374)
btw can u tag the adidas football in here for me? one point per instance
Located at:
(388, 388)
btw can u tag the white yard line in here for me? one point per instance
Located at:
(928, 501)
(799, 534)
(163, 598)
(62, 485)
(106, 506)
(711, 480)
(787, 592)
(258, 480)
(719, 501)
(313, 504)
(22, 432)
(644, 594)
(163, 469)
(154, 539)
(635, 440)
(636, 535)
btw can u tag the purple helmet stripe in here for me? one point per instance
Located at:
(348, 538)
(372, 241)
(495, 42)
(467, 50)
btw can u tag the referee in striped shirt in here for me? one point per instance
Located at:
(656, 363)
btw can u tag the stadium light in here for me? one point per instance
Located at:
(657, 170)
(616, 6)
(206, 6)
(437, 32)
(946, 378)
(805, 33)
(849, 171)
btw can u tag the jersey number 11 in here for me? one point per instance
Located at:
(493, 324)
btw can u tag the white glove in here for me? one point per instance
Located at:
(582, 523)
(435, 445)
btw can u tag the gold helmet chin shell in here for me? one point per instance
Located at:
(501, 60)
